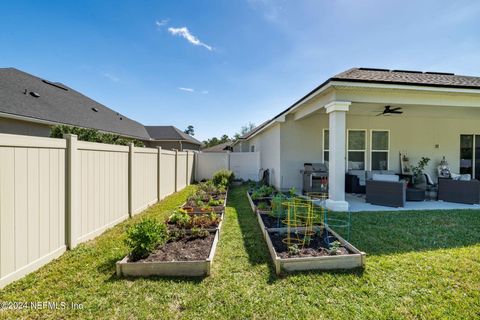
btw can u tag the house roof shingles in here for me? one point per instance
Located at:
(385, 76)
(58, 103)
(166, 133)
(435, 79)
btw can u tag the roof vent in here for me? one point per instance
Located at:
(407, 71)
(373, 69)
(94, 109)
(56, 85)
(34, 94)
(440, 73)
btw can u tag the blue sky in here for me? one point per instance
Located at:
(221, 64)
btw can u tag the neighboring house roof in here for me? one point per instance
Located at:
(170, 133)
(27, 96)
(222, 147)
(386, 76)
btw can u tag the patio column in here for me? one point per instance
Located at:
(336, 111)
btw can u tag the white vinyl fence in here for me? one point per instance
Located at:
(57, 193)
(245, 165)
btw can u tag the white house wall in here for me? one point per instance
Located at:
(302, 141)
(268, 144)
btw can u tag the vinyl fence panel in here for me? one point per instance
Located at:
(102, 187)
(167, 173)
(32, 204)
(181, 170)
(145, 175)
(245, 165)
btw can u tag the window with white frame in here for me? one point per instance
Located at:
(380, 145)
(326, 144)
(357, 149)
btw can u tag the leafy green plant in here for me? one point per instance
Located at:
(199, 233)
(180, 218)
(262, 192)
(206, 220)
(223, 178)
(263, 206)
(292, 192)
(418, 169)
(294, 249)
(144, 237)
(215, 203)
(92, 135)
(334, 247)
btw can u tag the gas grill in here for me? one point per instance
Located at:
(315, 177)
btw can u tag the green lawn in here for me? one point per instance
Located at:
(419, 265)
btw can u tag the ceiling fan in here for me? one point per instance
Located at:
(389, 110)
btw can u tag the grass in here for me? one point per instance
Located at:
(419, 265)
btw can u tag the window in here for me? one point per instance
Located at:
(252, 149)
(356, 142)
(380, 144)
(326, 144)
(469, 155)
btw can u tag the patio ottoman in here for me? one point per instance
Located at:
(414, 194)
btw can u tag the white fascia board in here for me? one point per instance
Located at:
(281, 117)
(402, 87)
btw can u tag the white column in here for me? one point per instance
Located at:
(336, 111)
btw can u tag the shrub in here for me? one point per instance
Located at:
(92, 135)
(223, 178)
(144, 237)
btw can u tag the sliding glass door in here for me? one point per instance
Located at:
(470, 155)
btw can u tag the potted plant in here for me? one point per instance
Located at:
(417, 171)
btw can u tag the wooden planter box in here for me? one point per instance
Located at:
(334, 262)
(198, 268)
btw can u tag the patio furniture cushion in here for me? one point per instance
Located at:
(371, 173)
(385, 177)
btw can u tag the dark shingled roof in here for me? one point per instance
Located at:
(406, 77)
(166, 133)
(222, 147)
(386, 76)
(60, 104)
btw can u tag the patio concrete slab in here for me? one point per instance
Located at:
(357, 204)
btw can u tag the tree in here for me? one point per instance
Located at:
(215, 141)
(190, 130)
(244, 130)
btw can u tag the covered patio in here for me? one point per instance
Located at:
(356, 203)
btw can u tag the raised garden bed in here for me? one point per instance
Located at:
(189, 258)
(314, 256)
(194, 235)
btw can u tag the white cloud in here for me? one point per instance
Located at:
(186, 89)
(161, 23)
(111, 77)
(183, 32)
(204, 92)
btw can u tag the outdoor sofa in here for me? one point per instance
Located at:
(459, 191)
(355, 180)
(386, 190)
